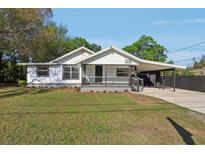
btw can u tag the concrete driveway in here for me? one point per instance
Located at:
(189, 99)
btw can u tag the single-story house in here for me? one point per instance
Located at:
(110, 69)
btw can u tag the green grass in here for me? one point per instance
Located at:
(64, 116)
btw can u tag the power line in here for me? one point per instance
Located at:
(187, 59)
(186, 47)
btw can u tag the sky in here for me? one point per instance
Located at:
(172, 28)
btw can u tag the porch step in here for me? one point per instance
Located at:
(137, 84)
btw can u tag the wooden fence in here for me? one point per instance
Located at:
(196, 83)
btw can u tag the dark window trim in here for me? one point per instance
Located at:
(71, 77)
(127, 75)
(37, 69)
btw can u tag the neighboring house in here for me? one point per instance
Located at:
(199, 71)
(111, 69)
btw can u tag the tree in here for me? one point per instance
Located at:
(31, 34)
(17, 29)
(170, 62)
(187, 72)
(79, 41)
(147, 48)
(19, 26)
(50, 43)
(53, 42)
(200, 63)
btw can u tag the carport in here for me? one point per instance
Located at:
(153, 73)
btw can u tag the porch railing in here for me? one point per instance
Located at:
(105, 81)
(137, 84)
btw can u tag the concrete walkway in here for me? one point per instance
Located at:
(189, 99)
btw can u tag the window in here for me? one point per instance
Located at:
(70, 72)
(66, 72)
(122, 72)
(42, 71)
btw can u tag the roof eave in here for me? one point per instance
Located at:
(35, 64)
(163, 64)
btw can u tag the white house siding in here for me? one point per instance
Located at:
(54, 79)
(111, 58)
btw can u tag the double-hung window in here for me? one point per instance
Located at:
(70, 72)
(42, 71)
(122, 72)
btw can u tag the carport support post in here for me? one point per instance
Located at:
(174, 82)
(105, 75)
(149, 78)
(163, 80)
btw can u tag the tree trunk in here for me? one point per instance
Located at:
(1, 67)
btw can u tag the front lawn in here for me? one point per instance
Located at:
(64, 116)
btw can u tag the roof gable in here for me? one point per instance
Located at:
(110, 56)
(74, 55)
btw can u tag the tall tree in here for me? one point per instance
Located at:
(79, 41)
(200, 63)
(49, 43)
(17, 29)
(19, 26)
(53, 41)
(31, 34)
(147, 48)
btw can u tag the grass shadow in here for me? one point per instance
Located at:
(185, 135)
(124, 104)
(12, 93)
(40, 91)
(8, 91)
(21, 91)
(91, 111)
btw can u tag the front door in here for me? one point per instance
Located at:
(98, 73)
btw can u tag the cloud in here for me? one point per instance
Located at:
(178, 22)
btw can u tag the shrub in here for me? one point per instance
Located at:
(78, 89)
(21, 83)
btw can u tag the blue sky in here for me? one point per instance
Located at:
(173, 28)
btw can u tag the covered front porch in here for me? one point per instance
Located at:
(112, 69)
(108, 77)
